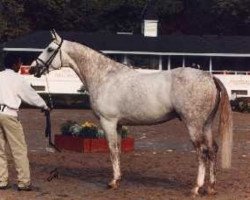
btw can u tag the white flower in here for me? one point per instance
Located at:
(75, 129)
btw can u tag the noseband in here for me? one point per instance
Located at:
(49, 61)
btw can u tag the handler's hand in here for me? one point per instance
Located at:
(46, 109)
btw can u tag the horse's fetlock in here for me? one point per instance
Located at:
(215, 147)
(211, 189)
(114, 184)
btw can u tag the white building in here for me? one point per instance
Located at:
(227, 57)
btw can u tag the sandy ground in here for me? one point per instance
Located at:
(163, 165)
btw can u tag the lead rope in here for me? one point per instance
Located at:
(48, 120)
(51, 103)
(54, 173)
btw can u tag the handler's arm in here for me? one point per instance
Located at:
(30, 96)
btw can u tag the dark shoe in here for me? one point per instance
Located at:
(25, 188)
(5, 187)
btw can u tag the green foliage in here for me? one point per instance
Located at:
(233, 16)
(123, 132)
(18, 17)
(13, 22)
(87, 130)
(65, 127)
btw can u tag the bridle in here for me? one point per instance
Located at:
(45, 65)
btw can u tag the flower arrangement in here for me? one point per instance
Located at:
(87, 130)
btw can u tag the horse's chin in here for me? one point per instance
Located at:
(38, 75)
(36, 71)
(32, 70)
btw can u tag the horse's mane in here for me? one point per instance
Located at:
(99, 53)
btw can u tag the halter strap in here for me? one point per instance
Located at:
(50, 60)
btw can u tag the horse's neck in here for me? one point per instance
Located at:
(91, 67)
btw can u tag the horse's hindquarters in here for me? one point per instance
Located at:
(193, 95)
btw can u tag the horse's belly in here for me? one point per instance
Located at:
(145, 118)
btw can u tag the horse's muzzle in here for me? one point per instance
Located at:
(32, 70)
(36, 71)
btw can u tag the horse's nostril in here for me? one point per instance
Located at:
(35, 71)
(32, 70)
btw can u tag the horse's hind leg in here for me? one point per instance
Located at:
(212, 157)
(110, 126)
(200, 146)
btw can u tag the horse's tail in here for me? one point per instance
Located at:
(225, 125)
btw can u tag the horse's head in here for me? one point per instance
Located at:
(50, 59)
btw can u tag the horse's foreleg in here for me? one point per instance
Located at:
(109, 127)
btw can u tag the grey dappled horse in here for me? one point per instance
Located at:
(120, 96)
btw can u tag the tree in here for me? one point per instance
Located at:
(120, 15)
(198, 17)
(12, 20)
(232, 17)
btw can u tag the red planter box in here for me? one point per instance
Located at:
(88, 145)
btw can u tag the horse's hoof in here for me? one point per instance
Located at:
(114, 184)
(198, 191)
(211, 191)
(195, 192)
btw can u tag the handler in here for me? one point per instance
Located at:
(13, 90)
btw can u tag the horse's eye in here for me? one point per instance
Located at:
(50, 49)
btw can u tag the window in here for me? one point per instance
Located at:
(143, 61)
(175, 61)
(116, 57)
(239, 92)
(195, 61)
(231, 63)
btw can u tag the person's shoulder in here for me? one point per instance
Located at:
(12, 73)
(15, 75)
(7, 72)
(11, 76)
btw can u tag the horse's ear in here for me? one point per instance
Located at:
(58, 38)
(54, 35)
